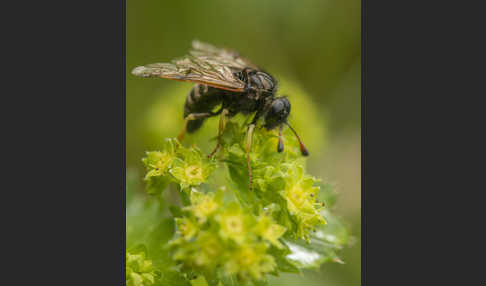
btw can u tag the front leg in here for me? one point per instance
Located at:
(248, 150)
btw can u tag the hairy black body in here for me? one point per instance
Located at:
(258, 97)
(201, 99)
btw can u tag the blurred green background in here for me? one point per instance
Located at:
(312, 46)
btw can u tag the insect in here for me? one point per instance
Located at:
(223, 77)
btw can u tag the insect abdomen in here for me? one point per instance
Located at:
(200, 99)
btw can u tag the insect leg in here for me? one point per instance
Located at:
(251, 127)
(222, 125)
(248, 150)
(193, 116)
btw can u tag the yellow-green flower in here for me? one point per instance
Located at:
(158, 162)
(269, 230)
(233, 223)
(203, 205)
(193, 170)
(300, 194)
(187, 227)
(250, 260)
(210, 249)
(205, 252)
(139, 270)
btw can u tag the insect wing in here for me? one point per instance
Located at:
(225, 57)
(186, 70)
(205, 64)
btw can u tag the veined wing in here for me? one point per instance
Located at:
(193, 69)
(226, 57)
(205, 64)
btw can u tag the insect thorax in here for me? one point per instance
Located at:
(258, 80)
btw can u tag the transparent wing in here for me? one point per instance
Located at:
(205, 64)
(224, 56)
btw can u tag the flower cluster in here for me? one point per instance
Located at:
(139, 271)
(279, 178)
(244, 233)
(185, 166)
(213, 233)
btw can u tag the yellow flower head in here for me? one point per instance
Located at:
(269, 230)
(158, 162)
(300, 194)
(210, 249)
(193, 170)
(233, 223)
(203, 205)
(250, 260)
(187, 227)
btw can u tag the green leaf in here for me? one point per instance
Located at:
(283, 263)
(149, 225)
(199, 281)
(335, 232)
(156, 185)
(324, 244)
(241, 181)
(305, 257)
(176, 211)
(157, 240)
(172, 278)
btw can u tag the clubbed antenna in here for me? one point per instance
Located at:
(280, 145)
(303, 150)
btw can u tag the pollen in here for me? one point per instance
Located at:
(234, 224)
(297, 195)
(204, 208)
(194, 172)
